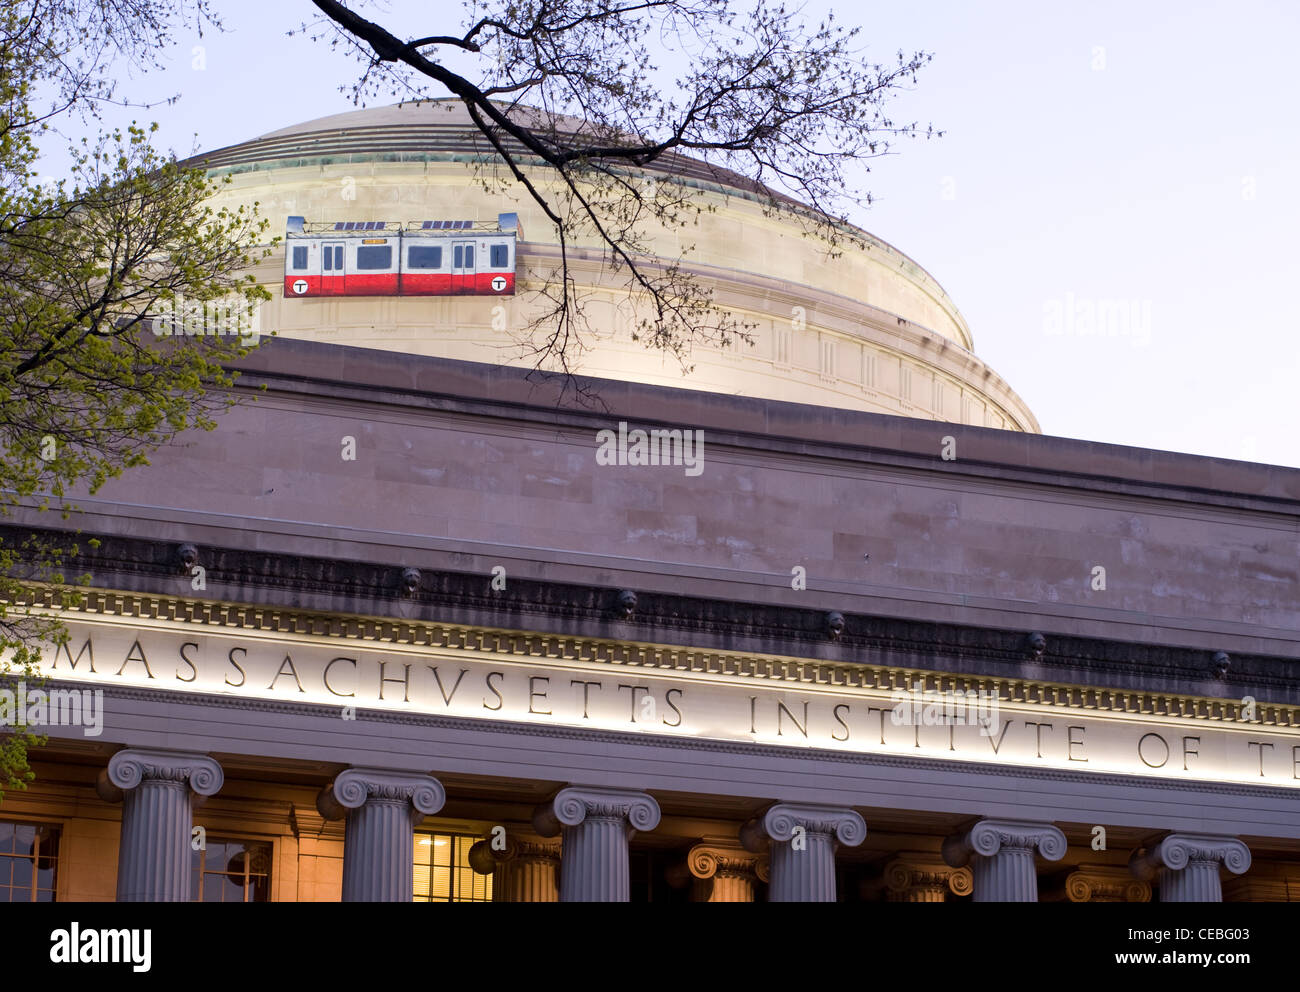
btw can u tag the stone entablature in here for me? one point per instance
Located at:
(485, 674)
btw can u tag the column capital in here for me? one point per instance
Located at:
(484, 858)
(779, 822)
(574, 804)
(913, 870)
(989, 837)
(1177, 851)
(1103, 883)
(354, 787)
(721, 856)
(132, 767)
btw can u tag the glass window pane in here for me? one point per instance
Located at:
(441, 887)
(469, 256)
(259, 888)
(300, 257)
(6, 837)
(338, 258)
(213, 885)
(424, 257)
(22, 873)
(375, 257)
(458, 257)
(328, 259)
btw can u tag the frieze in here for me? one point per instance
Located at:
(732, 665)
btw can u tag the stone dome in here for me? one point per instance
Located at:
(867, 330)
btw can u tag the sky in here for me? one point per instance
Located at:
(1113, 206)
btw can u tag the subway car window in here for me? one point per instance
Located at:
(300, 257)
(375, 257)
(500, 256)
(424, 257)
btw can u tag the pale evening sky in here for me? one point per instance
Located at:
(1141, 155)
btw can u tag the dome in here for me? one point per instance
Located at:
(867, 330)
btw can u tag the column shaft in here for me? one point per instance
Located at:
(154, 852)
(1188, 865)
(382, 807)
(595, 861)
(378, 853)
(157, 790)
(802, 842)
(804, 874)
(1008, 876)
(1001, 857)
(595, 824)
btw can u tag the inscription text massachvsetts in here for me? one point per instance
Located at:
(579, 694)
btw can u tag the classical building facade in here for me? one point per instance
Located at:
(413, 625)
(475, 663)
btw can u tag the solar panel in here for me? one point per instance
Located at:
(446, 225)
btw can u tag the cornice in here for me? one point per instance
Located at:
(1091, 674)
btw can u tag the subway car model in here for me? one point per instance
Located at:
(420, 258)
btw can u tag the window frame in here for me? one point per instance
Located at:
(35, 858)
(455, 869)
(213, 840)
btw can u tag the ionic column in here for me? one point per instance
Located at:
(595, 825)
(1101, 883)
(382, 807)
(1188, 865)
(720, 870)
(1001, 855)
(525, 870)
(802, 841)
(917, 877)
(157, 789)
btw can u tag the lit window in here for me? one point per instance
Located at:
(442, 871)
(29, 861)
(231, 871)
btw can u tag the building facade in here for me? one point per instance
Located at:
(413, 624)
(475, 663)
